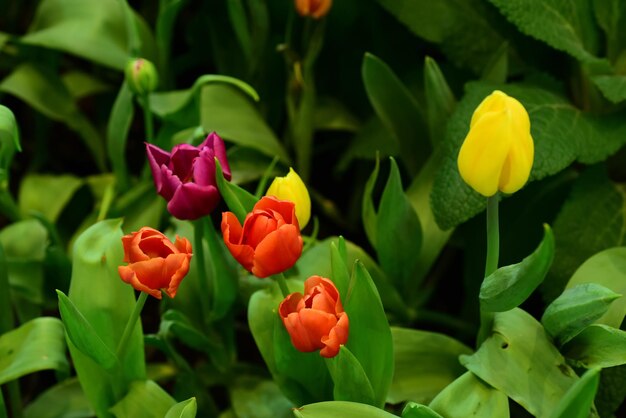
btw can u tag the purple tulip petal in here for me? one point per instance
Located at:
(157, 157)
(167, 183)
(204, 168)
(192, 201)
(214, 142)
(181, 162)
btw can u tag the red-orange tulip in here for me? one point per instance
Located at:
(155, 262)
(314, 8)
(316, 320)
(269, 241)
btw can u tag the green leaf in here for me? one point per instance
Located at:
(577, 241)
(496, 70)
(349, 379)
(612, 390)
(340, 409)
(440, 101)
(223, 277)
(340, 273)
(7, 320)
(398, 233)
(145, 399)
(36, 345)
(536, 377)
(121, 117)
(468, 396)
(613, 87)
(332, 115)
(611, 17)
(575, 309)
(607, 268)
(184, 409)
(83, 336)
(368, 211)
(81, 85)
(240, 24)
(368, 322)
(63, 400)
(9, 143)
(578, 401)
(228, 112)
(252, 397)
(398, 110)
(562, 134)
(566, 26)
(47, 194)
(597, 346)
(414, 410)
(239, 200)
(425, 363)
(508, 287)
(372, 140)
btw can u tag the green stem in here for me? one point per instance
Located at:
(198, 255)
(130, 325)
(491, 264)
(282, 283)
(3, 408)
(147, 118)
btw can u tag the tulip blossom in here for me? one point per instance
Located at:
(186, 176)
(498, 151)
(154, 262)
(269, 241)
(314, 8)
(315, 320)
(292, 188)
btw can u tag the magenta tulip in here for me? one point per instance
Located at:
(186, 176)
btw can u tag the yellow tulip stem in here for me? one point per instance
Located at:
(491, 264)
(130, 325)
(282, 283)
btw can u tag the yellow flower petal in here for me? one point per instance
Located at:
(292, 188)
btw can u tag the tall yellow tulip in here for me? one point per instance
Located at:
(292, 188)
(497, 153)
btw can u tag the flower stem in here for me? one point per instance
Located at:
(130, 325)
(491, 264)
(3, 409)
(203, 275)
(147, 118)
(282, 283)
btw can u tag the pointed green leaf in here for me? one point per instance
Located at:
(184, 409)
(222, 277)
(121, 117)
(415, 410)
(340, 409)
(9, 142)
(597, 346)
(508, 287)
(440, 101)
(256, 397)
(65, 399)
(349, 379)
(47, 194)
(575, 309)
(578, 401)
(496, 69)
(368, 211)
(239, 201)
(613, 87)
(145, 399)
(536, 377)
(340, 273)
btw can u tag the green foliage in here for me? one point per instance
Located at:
(63, 399)
(413, 410)
(340, 408)
(578, 401)
(350, 383)
(140, 395)
(598, 346)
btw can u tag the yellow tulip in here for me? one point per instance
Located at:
(292, 188)
(497, 153)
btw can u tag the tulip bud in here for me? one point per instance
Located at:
(292, 188)
(497, 153)
(141, 76)
(313, 8)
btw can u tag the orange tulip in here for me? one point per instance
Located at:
(155, 262)
(269, 241)
(314, 8)
(316, 320)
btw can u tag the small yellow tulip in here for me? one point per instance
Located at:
(497, 153)
(292, 188)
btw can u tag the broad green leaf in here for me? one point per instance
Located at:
(118, 126)
(398, 110)
(611, 17)
(238, 200)
(340, 409)
(47, 194)
(578, 401)
(536, 377)
(368, 322)
(564, 25)
(184, 409)
(81, 84)
(398, 233)
(468, 396)
(229, 112)
(36, 345)
(63, 400)
(9, 142)
(45, 92)
(607, 268)
(597, 346)
(509, 286)
(106, 302)
(613, 87)
(440, 101)
(463, 28)
(223, 277)
(425, 363)
(414, 410)
(497, 67)
(577, 241)
(372, 140)
(562, 134)
(101, 25)
(253, 397)
(83, 336)
(575, 309)
(140, 206)
(145, 399)
(332, 115)
(349, 379)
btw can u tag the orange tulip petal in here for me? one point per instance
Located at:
(289, 304)
(232, 233)
(336, 337)
(278, 252)
(299, 334)
(128, 275)
(152, 273)
(177, 266)
(318, 324)
(285, 208)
